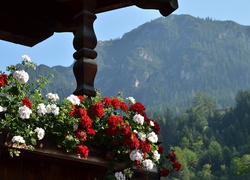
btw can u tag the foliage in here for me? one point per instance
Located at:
(241, 166)
(26, 115)
(123, 130)
(209, 142)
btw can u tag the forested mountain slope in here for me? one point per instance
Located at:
(169, 59)
(165, 62)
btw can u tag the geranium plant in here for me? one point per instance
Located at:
(118, 126)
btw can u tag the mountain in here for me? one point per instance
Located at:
(165, 62)
(169, 59)
(62, 80)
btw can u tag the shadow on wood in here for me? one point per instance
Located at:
(51, 164)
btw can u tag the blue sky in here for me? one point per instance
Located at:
(58, 49)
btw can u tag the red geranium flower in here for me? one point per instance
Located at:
(124, 106)
(125, 128)
(91, 131)
(146, 119)
(156, 127)
(27, 102)
(81, 135)
(86, 122)
(176, 165)
(145, 146)
(98, 109)
(3, 80)
(131, 141)
(83, 151)
(114, 120)
(137, 162)
(73, 111)
(107, 101)
(160, 149)
(171, 156)
(164, 172)
(81, 98)
(138, 107)
(81, 112)
(115, 103)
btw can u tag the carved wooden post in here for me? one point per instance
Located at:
(85, 68)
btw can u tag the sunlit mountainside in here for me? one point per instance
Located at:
(165, 62)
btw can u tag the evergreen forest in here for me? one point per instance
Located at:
(210, 143)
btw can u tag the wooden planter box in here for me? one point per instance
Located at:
(53, 164)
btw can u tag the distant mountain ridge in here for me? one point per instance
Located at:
(165, 62)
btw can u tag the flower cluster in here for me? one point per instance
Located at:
(174, 165)
(26, 116)
(121, 128)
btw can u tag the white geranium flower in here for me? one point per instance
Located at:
(40, 133)
(134, 131)
(131, 100)
(52, 97)
(142, 136)
(26, 57)
(152, 123)
(48, 109)
(138, 119)
(136, 155)
(41, 109)
(18, 139)
(3, 109)
(120, 176)
(52, 108)
(21, 76)
(74, 99)
(152, 137)
(148, 164)
(156, 155)
(24, 112)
